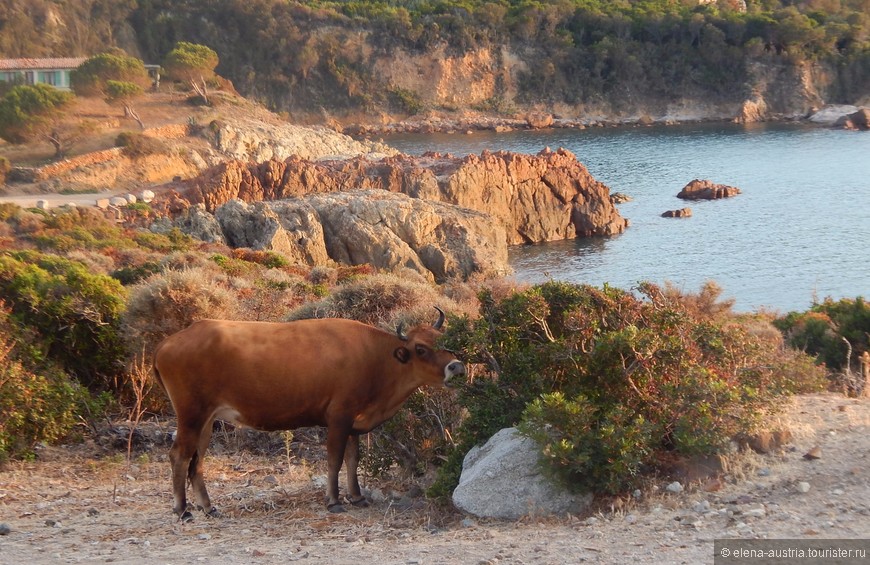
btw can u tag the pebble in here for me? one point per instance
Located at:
(591, 521)
(5, 529)
(701, 507)
(755, 512)
(675, 487)
(204, 536)
(803, 486)
(837, 492)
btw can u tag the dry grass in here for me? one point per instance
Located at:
(155, 109)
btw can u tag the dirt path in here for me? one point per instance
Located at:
(55, 200)
(70, 508)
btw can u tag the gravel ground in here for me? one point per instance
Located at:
(71, 506)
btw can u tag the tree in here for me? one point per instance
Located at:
(113, 75)
(191, 63)
(124, 93)
(28, 113)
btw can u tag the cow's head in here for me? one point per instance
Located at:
(439, 366)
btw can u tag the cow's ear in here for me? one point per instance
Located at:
(402, 354)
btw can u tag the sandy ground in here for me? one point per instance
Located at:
(70, 507)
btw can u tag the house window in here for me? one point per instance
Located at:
(48, 77)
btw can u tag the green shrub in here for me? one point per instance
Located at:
(610, 384)
(172, 241)
(137, 145)
(5, 168)
(34, 407)
(382, 300)
(39, 403)
(406, 100)
(132, 275)
(268, 259)
(415, 437)
(73, 313)
(232, 266)
(821, 331)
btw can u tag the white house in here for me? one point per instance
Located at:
(54, 71)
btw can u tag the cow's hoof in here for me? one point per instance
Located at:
(361, 502)
(185, 517)
(335, 507)
(214, 513)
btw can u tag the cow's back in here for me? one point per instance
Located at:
(272, 375)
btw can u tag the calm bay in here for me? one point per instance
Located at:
(799, 232)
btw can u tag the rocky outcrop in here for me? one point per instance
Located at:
(859, 120)
(831, 114)
(292, 228)
(707, 190)
(386, 230)
(681, 213)
(257, 141)
(544, 197)
(752, 110)
(503, 479)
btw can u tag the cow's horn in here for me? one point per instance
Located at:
(400, 332)
(437, 325)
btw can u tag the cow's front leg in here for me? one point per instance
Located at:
(351, 462)
(336, 442)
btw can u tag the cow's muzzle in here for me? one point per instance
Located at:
(453, 369)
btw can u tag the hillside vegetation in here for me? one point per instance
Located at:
(307, 57)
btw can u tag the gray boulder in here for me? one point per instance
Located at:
(200, 224)
(390, 231)
(503, 479)
(829, 115)
(291, 228)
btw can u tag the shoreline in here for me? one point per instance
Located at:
(833, 115)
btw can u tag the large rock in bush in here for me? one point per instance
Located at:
(503, 479)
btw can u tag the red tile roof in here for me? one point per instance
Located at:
(36, 64)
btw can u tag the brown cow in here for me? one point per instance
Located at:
(342, 374)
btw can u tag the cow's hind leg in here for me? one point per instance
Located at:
(181, 454)
(194, 472)
(351, 462)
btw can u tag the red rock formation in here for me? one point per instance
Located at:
(542, 197)
(707, 190)
(859, 120)
(681, 213)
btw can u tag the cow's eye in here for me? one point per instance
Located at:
(421, 351)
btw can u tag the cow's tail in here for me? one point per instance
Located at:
(157, 376)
